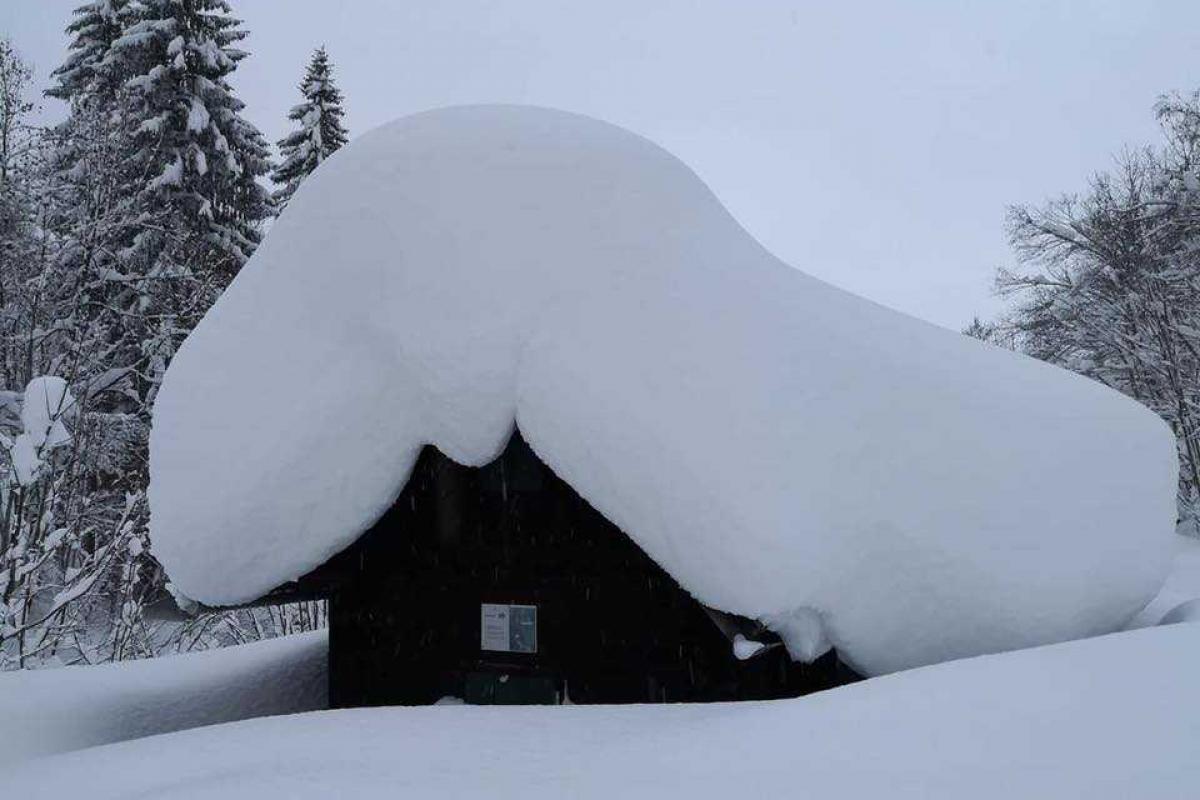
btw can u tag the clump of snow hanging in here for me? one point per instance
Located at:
(1078, 720)
(773, 442)
(744, 648)
(47, 399)
(45, 403)
(803, 633)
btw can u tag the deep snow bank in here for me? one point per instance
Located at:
(785, 449)
(1078, 720)
(54, 710)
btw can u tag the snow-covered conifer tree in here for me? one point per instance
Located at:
(320, 133)
(96, 26)
(200, 157)
(93, 184)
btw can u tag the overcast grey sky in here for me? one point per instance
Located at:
(873, 144)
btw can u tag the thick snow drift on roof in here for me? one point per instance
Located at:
(785, 449)
(54, 710)
(1068, 721)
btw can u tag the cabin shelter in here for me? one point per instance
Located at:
(500, 584)
(838, 471)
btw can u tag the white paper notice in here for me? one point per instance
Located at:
(494, 627)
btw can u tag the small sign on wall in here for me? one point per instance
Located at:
(507, 628)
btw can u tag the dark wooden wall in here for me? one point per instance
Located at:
(612, 626)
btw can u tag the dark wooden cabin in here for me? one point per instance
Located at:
(501, 585)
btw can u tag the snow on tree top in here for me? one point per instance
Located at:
(786, 450)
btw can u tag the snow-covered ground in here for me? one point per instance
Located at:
(1111, 717)
(786, 450)
(55, 710)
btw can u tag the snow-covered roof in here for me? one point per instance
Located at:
(786, 450)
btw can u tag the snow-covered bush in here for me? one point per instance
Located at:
(56, 545)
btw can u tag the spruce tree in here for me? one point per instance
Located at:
(94, 189)
(157, 203)
(320, 132)
(199, 157)
(96, 26)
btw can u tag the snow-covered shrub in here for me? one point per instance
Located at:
(58, 542)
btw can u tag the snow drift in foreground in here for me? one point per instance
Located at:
(784, 449)
(53, 710)
(1066, 721)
